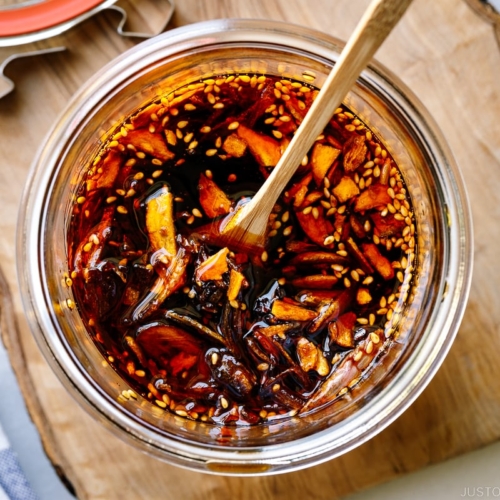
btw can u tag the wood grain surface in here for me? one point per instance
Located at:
(449, 57)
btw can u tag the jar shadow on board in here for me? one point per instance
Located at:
(419, 333)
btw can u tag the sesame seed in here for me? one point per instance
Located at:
(358, 356)
(156, 173)
(197, 213)
(343, 391)
(211, 152)
(264, 256)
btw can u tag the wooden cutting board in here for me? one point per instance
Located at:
(449, 57)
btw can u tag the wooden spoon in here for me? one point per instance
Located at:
(247, 227)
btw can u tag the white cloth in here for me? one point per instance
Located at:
(3, 495)
(13, 483)
(4, 444)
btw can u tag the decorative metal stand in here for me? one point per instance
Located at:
(26, 27)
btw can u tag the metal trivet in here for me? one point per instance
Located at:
(31, 21)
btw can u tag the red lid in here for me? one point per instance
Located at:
(42, 16)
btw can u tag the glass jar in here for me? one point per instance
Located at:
(427, 325)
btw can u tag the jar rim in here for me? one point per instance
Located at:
(385, 406)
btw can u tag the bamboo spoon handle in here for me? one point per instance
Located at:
(376, 23)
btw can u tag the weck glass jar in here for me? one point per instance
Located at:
(427, 324)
